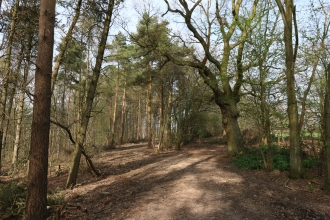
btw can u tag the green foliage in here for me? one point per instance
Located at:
(281, 162)
(281, 159)
(311, 161)
(55, 198)
(12, 200)
(206, 124)
(253, 160)
(311, 186)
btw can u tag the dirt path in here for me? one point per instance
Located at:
(197, 183)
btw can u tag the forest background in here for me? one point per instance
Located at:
(253, 72)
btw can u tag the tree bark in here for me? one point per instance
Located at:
(234, 136)
(288, 17)
(168, 142)
(139, 120)
(327, 130)
(36, 201)
(113, 124)
(123, 113)
(161, 119)
(149, 135)
(86, 114)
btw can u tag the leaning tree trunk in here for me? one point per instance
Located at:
(86, 113)
(36, 201)
(65, 43)
(327, 131)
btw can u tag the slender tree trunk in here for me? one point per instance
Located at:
(139, 120)
(169, 119)
(36, 201)
(65, 43)
(108, 141)
(4, 89)
(161, 120)
(86, 113)
(149, 135)
(327, 130)
(20, 110)
(112, 134)
(123, 113)
(288, 16)
(10, 97)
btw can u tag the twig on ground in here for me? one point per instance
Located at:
(286, 186)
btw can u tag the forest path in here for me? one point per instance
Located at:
(199, 182)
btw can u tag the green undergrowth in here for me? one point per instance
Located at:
(252, 159)
(55, 197)
(13, 198)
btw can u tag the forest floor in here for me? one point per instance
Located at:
(199, 182)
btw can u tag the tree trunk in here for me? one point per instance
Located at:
(327, 131)
(86, 113)
(10, 97)
(139, 120)
(112, 134)
(149, 135)
(4, 89)
(169, 118)
(21, 108)
(65, 43)
(123, 113)
(234, 136)
(36, 201)
(21, 101)
(288, 16)
(161, 120)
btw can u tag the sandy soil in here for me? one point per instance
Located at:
(199, 182)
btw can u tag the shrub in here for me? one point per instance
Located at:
(311, 161)
(281, 158)
(253, 160)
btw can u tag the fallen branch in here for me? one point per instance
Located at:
(69, 205)
(286, 186)
(315, 182)
(88, 158)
